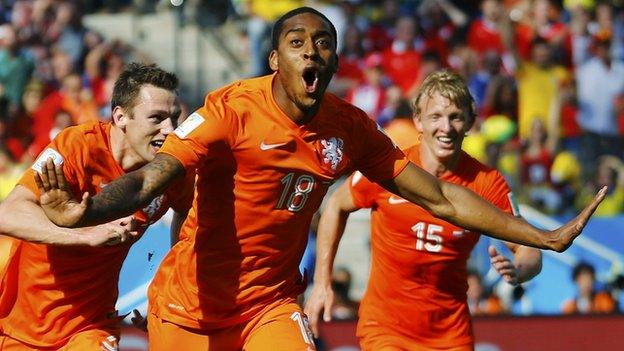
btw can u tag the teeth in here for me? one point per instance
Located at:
(445, 139)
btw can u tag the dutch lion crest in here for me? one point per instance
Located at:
(332, 151)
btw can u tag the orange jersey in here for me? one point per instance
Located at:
(417, 284)
(62, 290)
(260, 178)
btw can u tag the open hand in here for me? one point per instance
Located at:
(56, 199)
(561, 238)
(503, 266)
(111, 233)
(321, 298)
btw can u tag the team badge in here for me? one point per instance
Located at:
(332, 151)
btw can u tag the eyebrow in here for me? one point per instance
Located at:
(320, 32)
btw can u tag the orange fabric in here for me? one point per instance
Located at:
(64, 290)
(280, 328)
(377, 338)
(418, 280)
(601, 303)
(94, 339)
(260, 178)
(403, 132)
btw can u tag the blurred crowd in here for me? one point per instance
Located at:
(547, 77)
(54, 72)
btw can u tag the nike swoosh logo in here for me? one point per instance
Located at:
(265, 147)
(395, 200)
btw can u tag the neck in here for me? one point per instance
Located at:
(435, 165)
(123, 153)
(287, 104)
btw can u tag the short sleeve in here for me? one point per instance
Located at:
(363, 191)
(499, 194)
(190, 142)
(61, 150)
(376, 156)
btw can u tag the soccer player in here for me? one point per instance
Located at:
(416, 294)
(60, 288)
(265, 150)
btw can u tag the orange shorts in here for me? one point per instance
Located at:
(283, 328)
(377, 338)
(94, 339)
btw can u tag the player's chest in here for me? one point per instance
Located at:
(415, 229)
(265, 146)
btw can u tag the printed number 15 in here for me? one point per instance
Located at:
(425, 235)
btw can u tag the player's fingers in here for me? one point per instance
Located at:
(60, 177)
(327, 308)
(86, 197)
(583, 217)
(50, 169)
(43, 176)
(39, 183)
(492, 251)
(312, 312)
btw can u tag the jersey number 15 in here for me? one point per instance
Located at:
(427, 238)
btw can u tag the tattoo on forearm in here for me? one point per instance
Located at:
(134, 190)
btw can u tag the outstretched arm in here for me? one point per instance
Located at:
(119, 198)
(464, 208)
(22, 218)
(134, 190)
(330, 230)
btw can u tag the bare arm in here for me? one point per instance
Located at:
(527, 260)
(527, 263)
(22, 218)
(464, 208)
(330, 230)
(134, 190)
(120, 198)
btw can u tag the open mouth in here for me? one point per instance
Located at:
(310, 79)
(156, 143)
(446, 141)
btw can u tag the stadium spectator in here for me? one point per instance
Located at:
(587, 300)
(610, 172)
(600, 82)
(484, 33)
(351, 58)
(344, 307)
(401, 61)
(370, 94)
(61, 287)
(539, 81)
(16, 67)
(481, 303)
(221, 291)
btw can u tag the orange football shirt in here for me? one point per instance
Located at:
(260, 178)
(417, 283)
(58, 291)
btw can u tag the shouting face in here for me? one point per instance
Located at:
(305, 60)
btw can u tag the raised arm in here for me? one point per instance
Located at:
(121, 197)
(330, 230)
(21, 217)
(464, 208)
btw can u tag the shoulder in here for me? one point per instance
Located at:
(77, 137)
(484, 177)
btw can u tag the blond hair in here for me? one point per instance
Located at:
(451, 86)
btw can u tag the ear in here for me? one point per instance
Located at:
(120, 117)
(273, 60)
(417, 122)
(336, 64)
